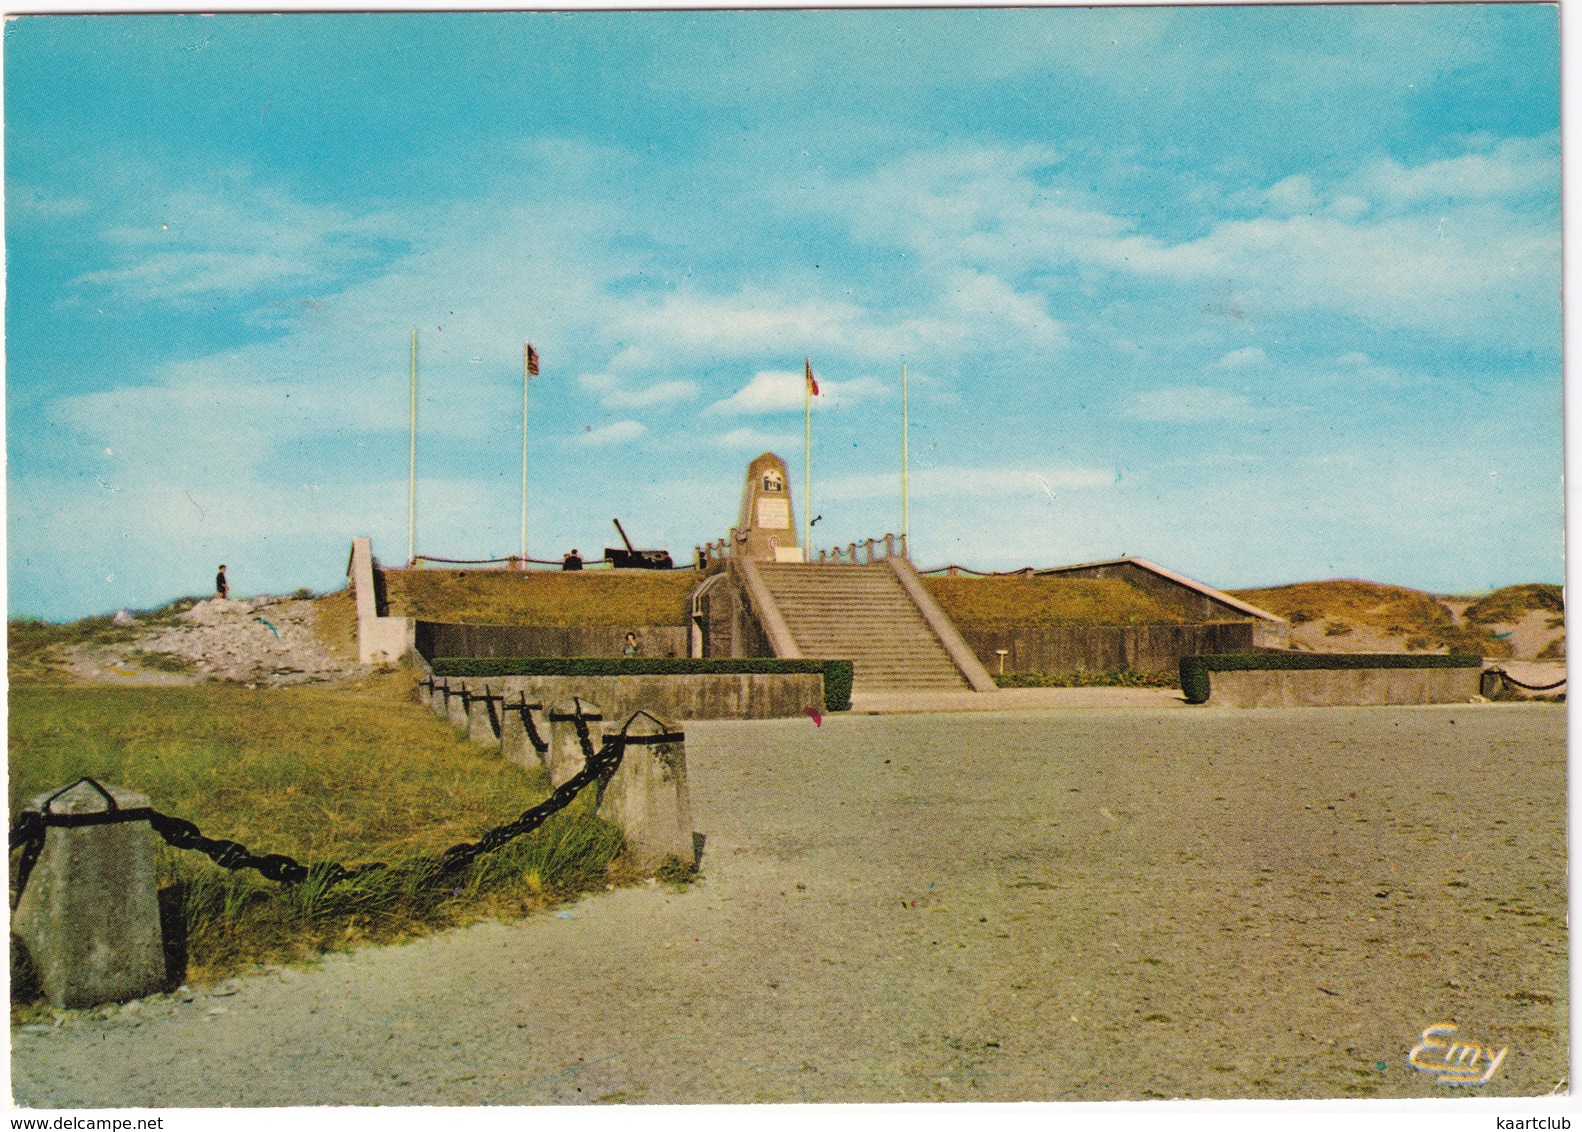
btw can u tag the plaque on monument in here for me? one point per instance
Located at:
(766, 530)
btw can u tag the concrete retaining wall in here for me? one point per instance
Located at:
(436, 638)
(1106, 648)
(1339, 687)
(702, 696)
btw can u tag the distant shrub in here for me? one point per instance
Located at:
(1124, 678)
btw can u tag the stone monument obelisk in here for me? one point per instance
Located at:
(766, 528)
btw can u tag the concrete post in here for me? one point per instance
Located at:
(482, 726)
(456, 697)
(647, 795)
(518, 728)
(89, 916)
(565, 746)
(436, 695)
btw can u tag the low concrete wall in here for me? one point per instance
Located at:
(436, 638)
(703, 696)
(380, 639)
(1339, 687)
(1106, 648)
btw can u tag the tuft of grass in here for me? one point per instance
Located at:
(1124, 678)
(162, 661)
(1509, 604)
(581, 598)
(997, 603)
(352, 775)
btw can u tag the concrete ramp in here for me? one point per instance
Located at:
(866, 614)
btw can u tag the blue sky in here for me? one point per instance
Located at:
(1262, 294)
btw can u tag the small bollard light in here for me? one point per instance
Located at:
(1002, 653)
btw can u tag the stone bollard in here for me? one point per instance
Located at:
(565, 747)
(436, 695)
(482, 722)
(518, 730)
(647, 795)
(89, 915)
(457, 695)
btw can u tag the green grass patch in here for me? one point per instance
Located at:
(1003, 603)
(572, 599)
(349, 775)
(1125, 678)
(837, 673)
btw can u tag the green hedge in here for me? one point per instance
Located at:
(836, 673)
(1195, 669)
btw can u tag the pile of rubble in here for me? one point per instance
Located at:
(263, 641)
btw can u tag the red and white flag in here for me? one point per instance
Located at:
(812, 386)
(532, 361)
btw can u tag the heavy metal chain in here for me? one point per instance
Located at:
(1509, 679)
(30, 828)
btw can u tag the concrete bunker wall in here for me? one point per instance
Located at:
(1105, 648)
(1341, 687)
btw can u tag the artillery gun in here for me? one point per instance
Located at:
(633, 559)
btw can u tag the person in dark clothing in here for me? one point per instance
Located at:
(572, 561)
(221, 586)
(631, 647)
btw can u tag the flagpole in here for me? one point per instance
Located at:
(411, 481)
(906, 542)
(807, 465)
(527, 364)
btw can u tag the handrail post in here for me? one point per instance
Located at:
(904, 553)
(852, 550)
(889, 544)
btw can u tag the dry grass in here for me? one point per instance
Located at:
(1510, 604)
(351, 775)
(585, 598)
(991, 603)
(335, 624)
(1418, 617)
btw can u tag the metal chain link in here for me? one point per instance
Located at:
(1509, 679)
(29, 831)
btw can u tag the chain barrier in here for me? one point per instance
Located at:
(29, 831)
(1506, 677)
(540, 744)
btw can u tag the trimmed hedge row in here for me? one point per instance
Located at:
(837, 673)
(1195, 669)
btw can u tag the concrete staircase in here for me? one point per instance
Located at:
(862, 614)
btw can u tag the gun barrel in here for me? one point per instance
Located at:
(622, 532)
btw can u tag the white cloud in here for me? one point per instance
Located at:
(752, 439)
(621, 432)
(1247, 356)
(614, 395)
(1191, 403)
(774, 391)
(960, 482)
(230, 237)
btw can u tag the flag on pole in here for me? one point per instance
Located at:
(532, 361)
(812, 386)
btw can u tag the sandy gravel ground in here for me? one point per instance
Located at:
(1020, 906)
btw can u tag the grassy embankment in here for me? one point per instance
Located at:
(1037, 602)
(583, 598)
(353, 774)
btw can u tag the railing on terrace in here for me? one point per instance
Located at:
(953, 571)
(873, 550)
(516, 562)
